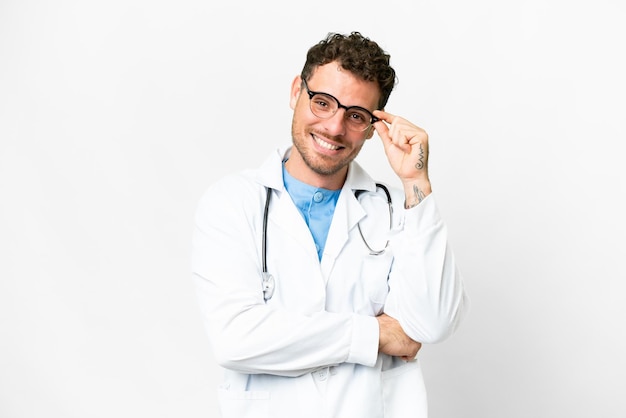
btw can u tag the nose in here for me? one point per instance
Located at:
(335, 125)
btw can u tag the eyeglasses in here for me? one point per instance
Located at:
(324, 106)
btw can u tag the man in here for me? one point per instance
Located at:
(317, 305)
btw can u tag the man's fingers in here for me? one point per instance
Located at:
(387, 117)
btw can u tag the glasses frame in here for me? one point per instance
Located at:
(311, 93)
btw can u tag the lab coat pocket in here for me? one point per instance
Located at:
(244, 404)
(404, 394)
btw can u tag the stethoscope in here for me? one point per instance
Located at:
(269, 284)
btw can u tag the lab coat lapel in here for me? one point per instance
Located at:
(285, 215)
(348, 213)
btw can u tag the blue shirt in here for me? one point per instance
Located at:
(316, 205)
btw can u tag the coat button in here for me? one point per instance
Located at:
(321, 374)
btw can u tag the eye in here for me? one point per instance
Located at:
(358, 116)
(322, 102)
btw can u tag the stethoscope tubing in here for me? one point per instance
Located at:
(265, 215)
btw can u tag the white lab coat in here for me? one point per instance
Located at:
(312, 349)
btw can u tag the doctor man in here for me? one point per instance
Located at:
(317, 305)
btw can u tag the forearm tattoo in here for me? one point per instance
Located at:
(420, 163)
(418, 196)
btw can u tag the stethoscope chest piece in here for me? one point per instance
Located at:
(268, 284)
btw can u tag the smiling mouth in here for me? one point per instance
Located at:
(325, 144)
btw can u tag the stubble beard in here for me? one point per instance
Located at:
(313, 161)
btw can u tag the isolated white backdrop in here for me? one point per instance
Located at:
(115, 116)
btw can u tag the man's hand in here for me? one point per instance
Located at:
(393, 341)
(406, 146)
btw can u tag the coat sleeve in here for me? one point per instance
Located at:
(247, 335)
(426, 291)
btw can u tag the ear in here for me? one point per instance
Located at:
(296, 87)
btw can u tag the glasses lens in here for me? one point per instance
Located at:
(358, 119)
(323, 105)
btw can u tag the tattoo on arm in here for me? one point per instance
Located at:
(418, 196)
(420, 163)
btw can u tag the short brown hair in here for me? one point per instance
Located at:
(357, 54)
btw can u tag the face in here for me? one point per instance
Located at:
(323, 148)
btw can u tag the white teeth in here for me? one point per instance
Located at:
(325, 144)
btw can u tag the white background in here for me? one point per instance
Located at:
(116, 115)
